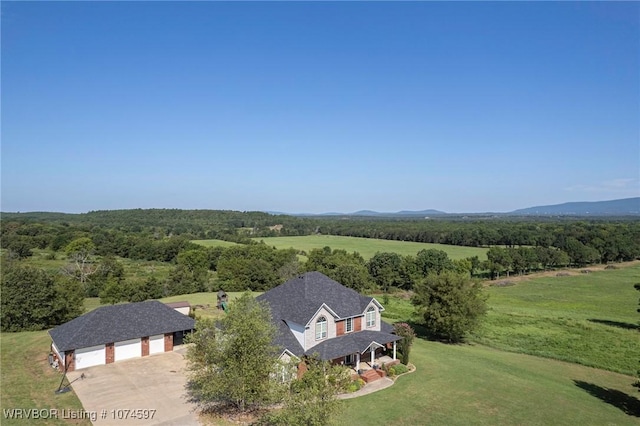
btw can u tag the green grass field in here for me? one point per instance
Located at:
(476, 385)
(27, 380)
(588, 318)
(215, 243)
(367, 247)
(134, 270)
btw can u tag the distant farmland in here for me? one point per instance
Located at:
(367, 247)
(214, 243)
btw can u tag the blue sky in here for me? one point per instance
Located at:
(318, 106)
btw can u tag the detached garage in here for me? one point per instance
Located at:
(118, 332)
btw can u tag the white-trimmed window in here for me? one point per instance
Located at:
(371, 317)
(321, 328)
(348, 325)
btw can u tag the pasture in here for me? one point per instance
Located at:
(368, 247)
(492, 380)
(474, 384)
(590, 319)
(215, 243)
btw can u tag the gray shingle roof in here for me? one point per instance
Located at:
(299, 299)
(350, 343)
(116, 323)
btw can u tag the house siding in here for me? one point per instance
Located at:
(310, 332)
(357, 324)
(376, 327)
(298, 332)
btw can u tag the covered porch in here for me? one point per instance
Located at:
(361, 351)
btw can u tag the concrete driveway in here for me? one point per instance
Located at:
(151, 383)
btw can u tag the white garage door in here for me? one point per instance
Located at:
(88, 357)
(156, 344)
(128, 349)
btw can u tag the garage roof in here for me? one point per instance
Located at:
(115, 323)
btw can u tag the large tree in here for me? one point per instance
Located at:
(80, 252)
(348, 269)
(385, 269)
(33, 299)
(450, 304)
(311, 400)
(233, 362)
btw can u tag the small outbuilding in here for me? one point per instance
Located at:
(183, 307)
(114, 333)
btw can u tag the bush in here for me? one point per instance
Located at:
(400, 369)
(355, 385)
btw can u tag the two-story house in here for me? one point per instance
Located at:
(316, 315)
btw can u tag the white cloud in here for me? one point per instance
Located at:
(616, 187)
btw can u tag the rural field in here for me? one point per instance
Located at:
(587, 319)
(367, 247)
(474, 384)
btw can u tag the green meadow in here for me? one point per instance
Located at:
(590, 319)
(476, 385)
(215, 243)
(368, 247)
(513, 371)
(27, 381)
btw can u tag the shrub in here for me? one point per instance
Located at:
(408, 334)
(400, 369)
(355, 385)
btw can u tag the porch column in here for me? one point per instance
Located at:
(373, 355)
(394, 351)
(357, 361)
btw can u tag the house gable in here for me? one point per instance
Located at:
(376, 317)
(307, 298)
(310, 330)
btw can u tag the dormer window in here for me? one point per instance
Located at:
(321, 328)
(371, 317)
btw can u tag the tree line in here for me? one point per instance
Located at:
(150, 234)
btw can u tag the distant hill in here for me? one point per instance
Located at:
(622, 207)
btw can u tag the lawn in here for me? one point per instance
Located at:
(367, 247)
(27, 380)
(589, 319)
(474, 384)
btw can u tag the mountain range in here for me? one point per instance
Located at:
(620, 207)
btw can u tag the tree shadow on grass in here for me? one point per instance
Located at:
(630, 405)
(423, 333)
(619, 324)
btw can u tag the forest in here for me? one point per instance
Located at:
(94, 252)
